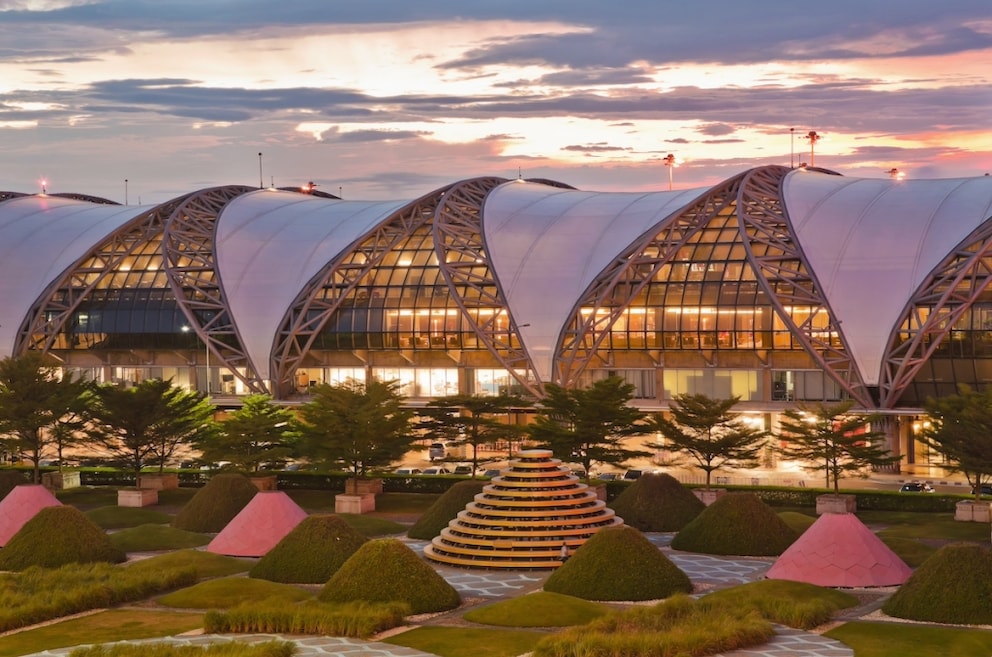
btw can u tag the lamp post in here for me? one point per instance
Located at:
(261, 184)
(792, 148)
(669, 161)
(896, 174)
(125, 191)
(813, 138)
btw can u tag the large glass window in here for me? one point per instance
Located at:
(715, 383)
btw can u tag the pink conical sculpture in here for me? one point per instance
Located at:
(839, 551)
(265, 521)
(20, 505)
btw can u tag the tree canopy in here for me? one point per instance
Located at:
(588, 425)
(361, 426)
(829, 438)
(706, 430)
(960, 428)
(260, 432)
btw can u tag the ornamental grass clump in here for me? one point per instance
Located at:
(446, 509)
(736, 524)
(674, 628)
(56, 536)
(311, 552)
(358, 620)
(618, 563)
(386, 570)
(216, 504)
(954, 585)
(796, 604)
(657, 503)
(159, 649)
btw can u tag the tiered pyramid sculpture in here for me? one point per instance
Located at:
(20, 505)
(259, 526)
(523, 518)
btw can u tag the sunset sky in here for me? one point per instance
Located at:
(390, 100)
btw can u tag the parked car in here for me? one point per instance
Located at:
(463, 470)
(986, 490)
(407, 471)
(436, 470)
(436, 451)
(492, 472)
(631, 475)
(606, 476)
(916, 487)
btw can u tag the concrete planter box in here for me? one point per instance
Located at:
(137, 497)
(355, 486)
(709, 495)
(354, 503)
(163, 481)
(831, 503)
(268, 482)
(60, 480)
(969, 511)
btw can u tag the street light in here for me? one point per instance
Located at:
(813, 138)
(896, 174)
(669, 161)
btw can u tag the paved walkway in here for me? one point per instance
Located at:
(709, 572)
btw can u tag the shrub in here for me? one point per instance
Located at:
(55, 536)
(215, 504)
(310, 553)
(953, 586)
(386, 570)
(10, 479)
(227, 649)
(358, 620)
(737, 524)
(446, 509)
(618, 563)
(657, 503)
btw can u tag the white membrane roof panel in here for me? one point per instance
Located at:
(40, 237)
(270, 243)
(547, 245)
(872, 242)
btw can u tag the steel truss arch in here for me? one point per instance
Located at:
(948, 292)
(620, 282)
(461, 252)
(54, 307)
(313, 307)
(188, 250)
(785, 274)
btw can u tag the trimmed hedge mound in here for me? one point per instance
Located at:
(446, 509)
(657, 503)
(736, 524)
(216, 504)
(618, 563)
(386, 570)
(10, 479)
(311, 553)
(56, 536)
(954, 585)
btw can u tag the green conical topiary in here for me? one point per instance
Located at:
(56, 536)
(215, 504)
(446, 509)
(954, 585)
(311, 553)
(657, 503)
(10, 479)
(618, 563)
(737, 524)
(386, 570)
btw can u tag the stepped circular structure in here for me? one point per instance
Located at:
(523, 518)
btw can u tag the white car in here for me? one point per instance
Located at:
(407, 471)
(436, 470)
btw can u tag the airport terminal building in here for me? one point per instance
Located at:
(777, 285)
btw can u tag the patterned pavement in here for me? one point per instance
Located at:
(704, 570)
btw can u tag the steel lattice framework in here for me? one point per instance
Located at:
(774, 252)
(188, 249)
(318, 301)
(941, 300)
(463, 260)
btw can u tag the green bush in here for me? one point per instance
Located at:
(386, 570)
(56, 536)
(358, 620)
(215, 504)
(311, 553)
(226, 649)
(657, 503)
(796, 604)
(446, 508)
(736, 524)
(618, 563)
(674, 628)
(10, 479)
(954, 585)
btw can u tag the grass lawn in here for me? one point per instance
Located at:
(540, 609)
(156, 538)
(103, 627)
(227, 592)
(902, 640)
(118, 517)
(459, 642)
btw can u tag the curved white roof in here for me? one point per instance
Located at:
(269, 244)
(548, 244)
(871, 243)
(40, 236)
